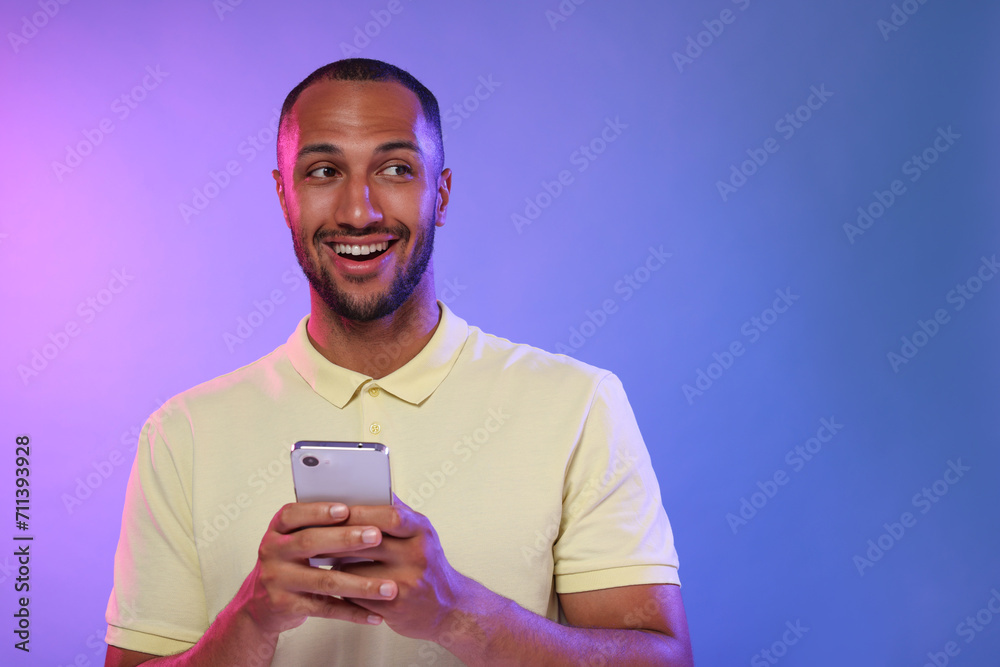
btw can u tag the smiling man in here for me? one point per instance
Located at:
(534, 532)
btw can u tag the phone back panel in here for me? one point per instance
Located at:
(353, 473)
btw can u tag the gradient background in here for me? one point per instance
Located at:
(225, 69)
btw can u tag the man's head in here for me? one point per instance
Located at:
(366, 69)
(361, 184)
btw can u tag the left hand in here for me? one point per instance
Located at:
(428, 587)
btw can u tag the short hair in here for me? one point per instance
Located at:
(367, 69)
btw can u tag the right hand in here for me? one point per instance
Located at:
(283, 589)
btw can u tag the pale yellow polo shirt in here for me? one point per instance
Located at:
(529, 465)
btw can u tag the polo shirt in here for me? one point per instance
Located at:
(529, 465)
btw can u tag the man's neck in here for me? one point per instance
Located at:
(379, 347)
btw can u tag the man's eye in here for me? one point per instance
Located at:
(322, 172)
(397, 170)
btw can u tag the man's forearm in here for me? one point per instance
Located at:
(233, 639)
(494, 630)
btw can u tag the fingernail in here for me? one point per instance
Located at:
(338, 511)
(385, 590)
(369, 536)
(374, 620)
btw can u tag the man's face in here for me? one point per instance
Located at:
(361, 192)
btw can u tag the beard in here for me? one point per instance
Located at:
(366, 309)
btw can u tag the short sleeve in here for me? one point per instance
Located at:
(157, 604)
(614, 530)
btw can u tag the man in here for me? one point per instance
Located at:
(537, 495)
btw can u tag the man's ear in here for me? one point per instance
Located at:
(443, 195)
(281, 196)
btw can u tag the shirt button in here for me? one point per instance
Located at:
(374, 428)
(374, 391)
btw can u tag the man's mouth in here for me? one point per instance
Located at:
(360, 252)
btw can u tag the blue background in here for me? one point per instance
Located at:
(557, 79)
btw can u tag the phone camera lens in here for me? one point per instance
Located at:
(310, 461)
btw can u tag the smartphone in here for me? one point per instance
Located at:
(353, 473)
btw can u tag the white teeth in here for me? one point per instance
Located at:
(347, 249)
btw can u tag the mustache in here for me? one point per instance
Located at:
(399, 231)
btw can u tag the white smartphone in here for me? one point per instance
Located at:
(353, 473)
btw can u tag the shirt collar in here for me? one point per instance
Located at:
(413, 383)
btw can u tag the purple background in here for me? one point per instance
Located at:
(223, 70)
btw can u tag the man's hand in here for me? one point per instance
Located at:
(410, 554)
(411, 585)
(283, 589)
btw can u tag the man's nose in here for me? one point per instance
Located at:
(357, 207)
